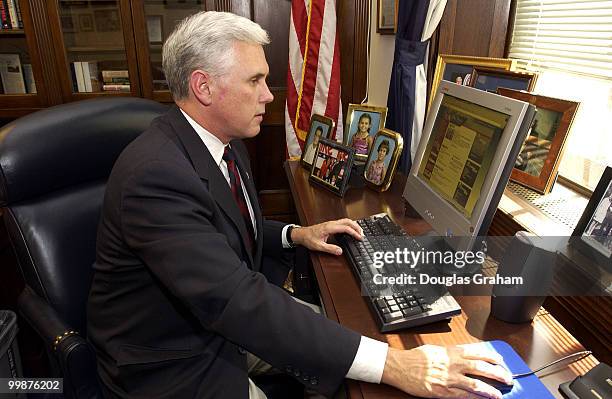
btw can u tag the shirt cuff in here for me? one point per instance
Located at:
(369, 362)
(284, 236)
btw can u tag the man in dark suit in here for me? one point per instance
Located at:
(180, 297)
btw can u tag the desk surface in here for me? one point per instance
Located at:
(538, 343)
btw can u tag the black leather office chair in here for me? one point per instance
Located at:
(53, 170)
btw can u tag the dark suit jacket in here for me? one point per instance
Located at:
(175, 295)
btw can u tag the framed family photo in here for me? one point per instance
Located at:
(458, 69)
(382, 162)
(538, 160)
(362, 124)
(332, 165)
(593, 233)
(490, 79)
(321, 127)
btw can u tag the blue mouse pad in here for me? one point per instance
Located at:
(525, 387)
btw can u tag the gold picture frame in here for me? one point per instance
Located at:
(380, 166)
(326, 126)
(462, 66)
(386, 17)
(377, 117)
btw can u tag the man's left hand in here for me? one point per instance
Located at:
(315, 237)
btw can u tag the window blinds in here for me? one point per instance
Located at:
(568, 35)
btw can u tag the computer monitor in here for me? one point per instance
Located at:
(470, 142)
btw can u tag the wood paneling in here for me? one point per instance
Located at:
(474, 27)
(274, 16)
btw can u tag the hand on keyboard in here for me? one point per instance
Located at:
(315, 237)
(439, 372)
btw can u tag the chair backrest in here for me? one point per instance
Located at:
(53, 170)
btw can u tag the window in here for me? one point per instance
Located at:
(569, 43)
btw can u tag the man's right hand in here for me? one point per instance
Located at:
(440, 372)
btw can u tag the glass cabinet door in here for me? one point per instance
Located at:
(100, 56)
(17, 67)
(159, 18)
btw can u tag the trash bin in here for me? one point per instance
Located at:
(10, 363)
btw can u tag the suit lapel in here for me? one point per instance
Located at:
(245, 173)
(208, 170)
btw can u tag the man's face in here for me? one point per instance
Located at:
(240, 96)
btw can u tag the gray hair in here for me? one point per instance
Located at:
(205, 41)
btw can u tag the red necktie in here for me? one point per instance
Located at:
(230, 159)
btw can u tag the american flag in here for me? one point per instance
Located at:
(313, 77)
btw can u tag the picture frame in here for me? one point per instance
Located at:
(86, 23)
(592, 235)
(538, 161)
(332, 165)
(107, 20)
(382, 161)
(356, 112)
(450, 67)
(386, 17)
(318, 123)
(155, 29)
(489, 79)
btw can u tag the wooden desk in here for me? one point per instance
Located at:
(538, 343)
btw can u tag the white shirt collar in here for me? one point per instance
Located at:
(214, 145)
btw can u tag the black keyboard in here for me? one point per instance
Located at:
(395, 306)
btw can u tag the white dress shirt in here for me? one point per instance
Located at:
(371, 355)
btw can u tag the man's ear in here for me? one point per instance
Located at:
(199, 84)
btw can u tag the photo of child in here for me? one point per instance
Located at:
(361, 140)
(363, 122)
(320, 128)
(377, 168)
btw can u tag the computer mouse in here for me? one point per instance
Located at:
(500, 386)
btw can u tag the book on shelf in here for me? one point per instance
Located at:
(12, 13)
(19, 19)
(11, 74)
(110, 74)
(114, 87)
(28, 75)
(117, 81)
(80, 79)
(90, 76)
(4, 15)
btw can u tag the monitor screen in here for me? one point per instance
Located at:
(460, 151)
(463, 162)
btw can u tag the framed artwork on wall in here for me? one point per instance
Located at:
(387, 17)
(537, 163)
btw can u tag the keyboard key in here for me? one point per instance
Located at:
(411, 311)
(381, 303)
(394, 308)
(392, 316)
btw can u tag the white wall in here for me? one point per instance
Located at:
(381, 60)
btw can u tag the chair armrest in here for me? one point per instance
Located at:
(75, 356)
